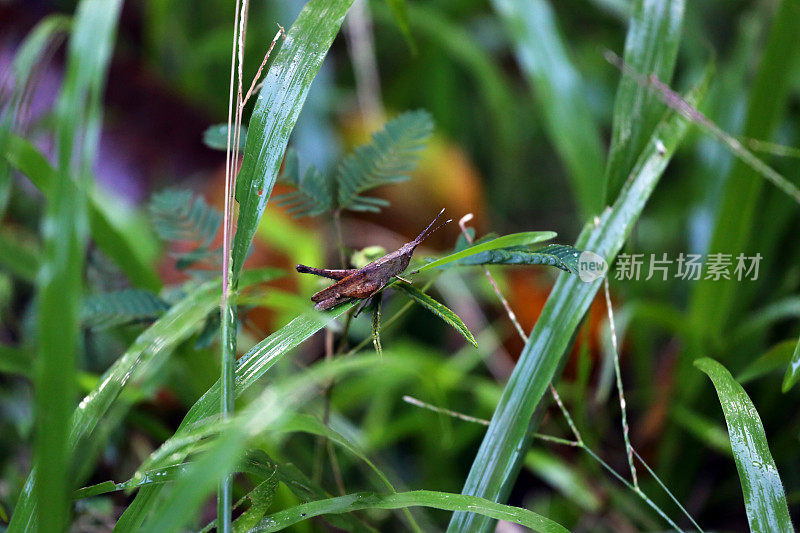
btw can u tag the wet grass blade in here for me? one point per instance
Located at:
(438, 309)
(424, 498)
(764, 498)
(651, 47)
(498, 460)
(60, 280)
(285, 89)
(542, 55)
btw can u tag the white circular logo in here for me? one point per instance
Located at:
(591, 266)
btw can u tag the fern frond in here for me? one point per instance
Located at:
(180, 216)
(109, 309)
(390, 157)
(314, 194)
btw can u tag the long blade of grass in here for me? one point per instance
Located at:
(60, 280)
(177, 324)
(23, 156)
(651, 47)
(764, 498)
(424, 498)
(713, 302)
(438, 309)
(285, 89)
(568, 121)
(503, 448)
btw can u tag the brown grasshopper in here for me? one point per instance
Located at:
(364, 282)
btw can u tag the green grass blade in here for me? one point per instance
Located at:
(651, 47)
(506, 241)
(285, 89)
(118, 246)
(503, 448)
(438, 309)
(793, 370)
(714, 302)
(763, 493)
(424, 498)
(559, 90)
(261, 498)
(60, 280)
(774, 359)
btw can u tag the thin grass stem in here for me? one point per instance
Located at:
(622, 404)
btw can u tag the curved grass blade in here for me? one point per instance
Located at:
(438, 309)
(764, 498)
(424, 498)
(559, 89)
(498, 460)
(115, 244)
(257, 462)
(285, 89)
(60, 280)
(261, 499)
(515, 239)
(561, 256)
(775, 358)
(651, 47)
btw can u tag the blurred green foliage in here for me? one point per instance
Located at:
(530, 115)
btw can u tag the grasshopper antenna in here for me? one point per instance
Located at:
(427, 231)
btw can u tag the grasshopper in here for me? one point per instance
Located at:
(365, 282)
